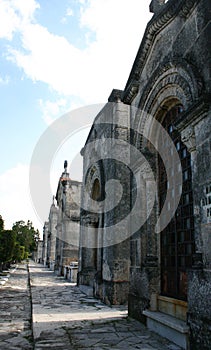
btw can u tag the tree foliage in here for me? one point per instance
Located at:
(18, 243)
(26, 235)
(7, 245)
(1, 224)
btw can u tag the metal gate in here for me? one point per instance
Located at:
(177, 239)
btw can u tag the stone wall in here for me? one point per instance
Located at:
(171, 69)
(104, 264)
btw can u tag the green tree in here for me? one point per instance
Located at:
(7, 245)
(1, 224)
(18, 243)
(26, 235)
(19, 252)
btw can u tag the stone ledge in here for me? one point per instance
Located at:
(167, 320)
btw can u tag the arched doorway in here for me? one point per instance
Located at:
(177, 239)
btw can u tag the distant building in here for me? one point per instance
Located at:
(68, 225)
(45, 257)
(38, 254)
(61, 231)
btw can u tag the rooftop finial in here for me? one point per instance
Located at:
(65, 166)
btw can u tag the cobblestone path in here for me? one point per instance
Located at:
(64, 318)
(15, 312)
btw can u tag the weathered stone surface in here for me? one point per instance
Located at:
(64, 318)
(15, 312)
(61, 231)
(171, 72)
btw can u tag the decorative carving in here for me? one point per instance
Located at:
(189, 139)
(177, 72)
(185, 10)
(176, 79)
(197, 261)
(172, 9)
(115, 96)
(90, 220)
(131, 92)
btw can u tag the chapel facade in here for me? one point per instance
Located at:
(145, 236)
(61, 231)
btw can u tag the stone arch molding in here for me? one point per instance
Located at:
(174, 81)
(94, 173)
(91, 217)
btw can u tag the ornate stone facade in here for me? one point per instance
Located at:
(61, 231)
(159, 259)
(68, 202)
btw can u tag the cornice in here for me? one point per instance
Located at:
(159, 21)
(115, 96)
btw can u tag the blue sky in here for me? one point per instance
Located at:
(56, 56)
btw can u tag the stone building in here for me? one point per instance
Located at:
(146, 220)
(45, 244)
(61, 231)
(49, 237)
(52, 234)
(68, 221)
(38, 254)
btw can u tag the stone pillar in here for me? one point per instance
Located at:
(199, 277)
(45, 242)
(88, 250)
(188, 137)
(53, 219)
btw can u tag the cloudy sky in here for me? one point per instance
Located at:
(56, 56)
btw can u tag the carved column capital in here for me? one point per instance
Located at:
(197, 261)
(90, 220)
(189, 139)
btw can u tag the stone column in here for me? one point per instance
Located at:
(88, 250)
(45, 242)
(188, 137)
(53, 232)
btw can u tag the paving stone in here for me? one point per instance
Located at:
(65, 318)
(15, 310)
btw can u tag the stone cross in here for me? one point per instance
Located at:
(65, 166)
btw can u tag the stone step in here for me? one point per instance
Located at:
(168, 326)
(86, 290)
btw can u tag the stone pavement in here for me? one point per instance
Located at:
(64, 318)
(15, 312)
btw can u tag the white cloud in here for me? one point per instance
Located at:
(9, 20)
(25, 9)
(69, 12)
(87, 75)
(15, 202)
(52, 109)
(14, 15)
(93, 72)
